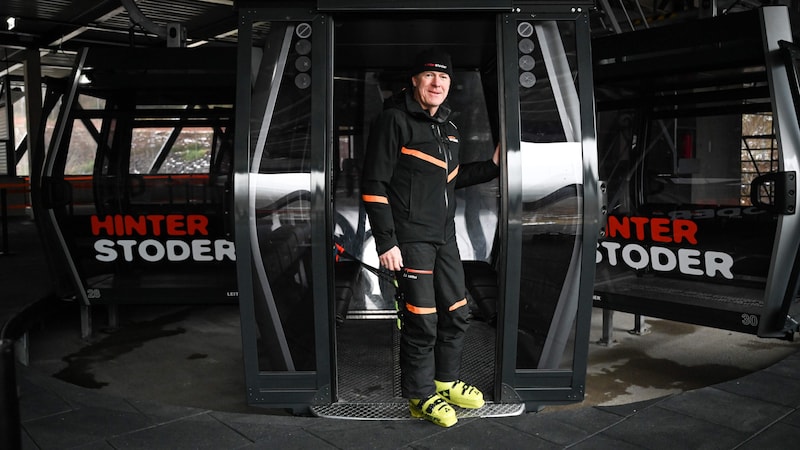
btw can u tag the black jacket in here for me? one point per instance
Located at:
(411, 170)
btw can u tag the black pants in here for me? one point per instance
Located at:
(435, 316)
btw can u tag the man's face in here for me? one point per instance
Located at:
(430, 89)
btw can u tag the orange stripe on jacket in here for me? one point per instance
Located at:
(419, 309)
(424, 156)
(453, 174)
(419, 271)
(374, 199)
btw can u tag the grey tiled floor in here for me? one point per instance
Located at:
(759, 410)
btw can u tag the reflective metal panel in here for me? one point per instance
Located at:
(551, 161)
(280, 198)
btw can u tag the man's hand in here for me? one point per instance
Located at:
(392, 259)
(496, 156)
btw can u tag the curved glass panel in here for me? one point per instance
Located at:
(552, 177)
(280, 198)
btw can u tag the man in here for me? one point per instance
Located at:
(411, 170)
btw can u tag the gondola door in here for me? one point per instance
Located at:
(280, 208)
(552, 216)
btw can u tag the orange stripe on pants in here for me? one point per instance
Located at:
(419, 310)
(458, 304)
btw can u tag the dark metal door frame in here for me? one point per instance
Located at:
(536, 387)
(291, 389)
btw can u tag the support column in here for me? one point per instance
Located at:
(608, 326)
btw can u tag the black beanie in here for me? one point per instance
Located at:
(432, 59)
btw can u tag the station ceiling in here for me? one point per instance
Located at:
(57, 29)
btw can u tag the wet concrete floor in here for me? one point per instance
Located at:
(191, 356)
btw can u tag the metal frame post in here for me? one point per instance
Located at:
(4, 212)
(10, 435)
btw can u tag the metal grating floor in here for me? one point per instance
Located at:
(368, 375)
(399, 411)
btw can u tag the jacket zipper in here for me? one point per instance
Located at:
(439, 140)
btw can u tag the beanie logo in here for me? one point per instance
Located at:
(436, 66)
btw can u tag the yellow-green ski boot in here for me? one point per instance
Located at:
(460, 394)
(434, 409)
